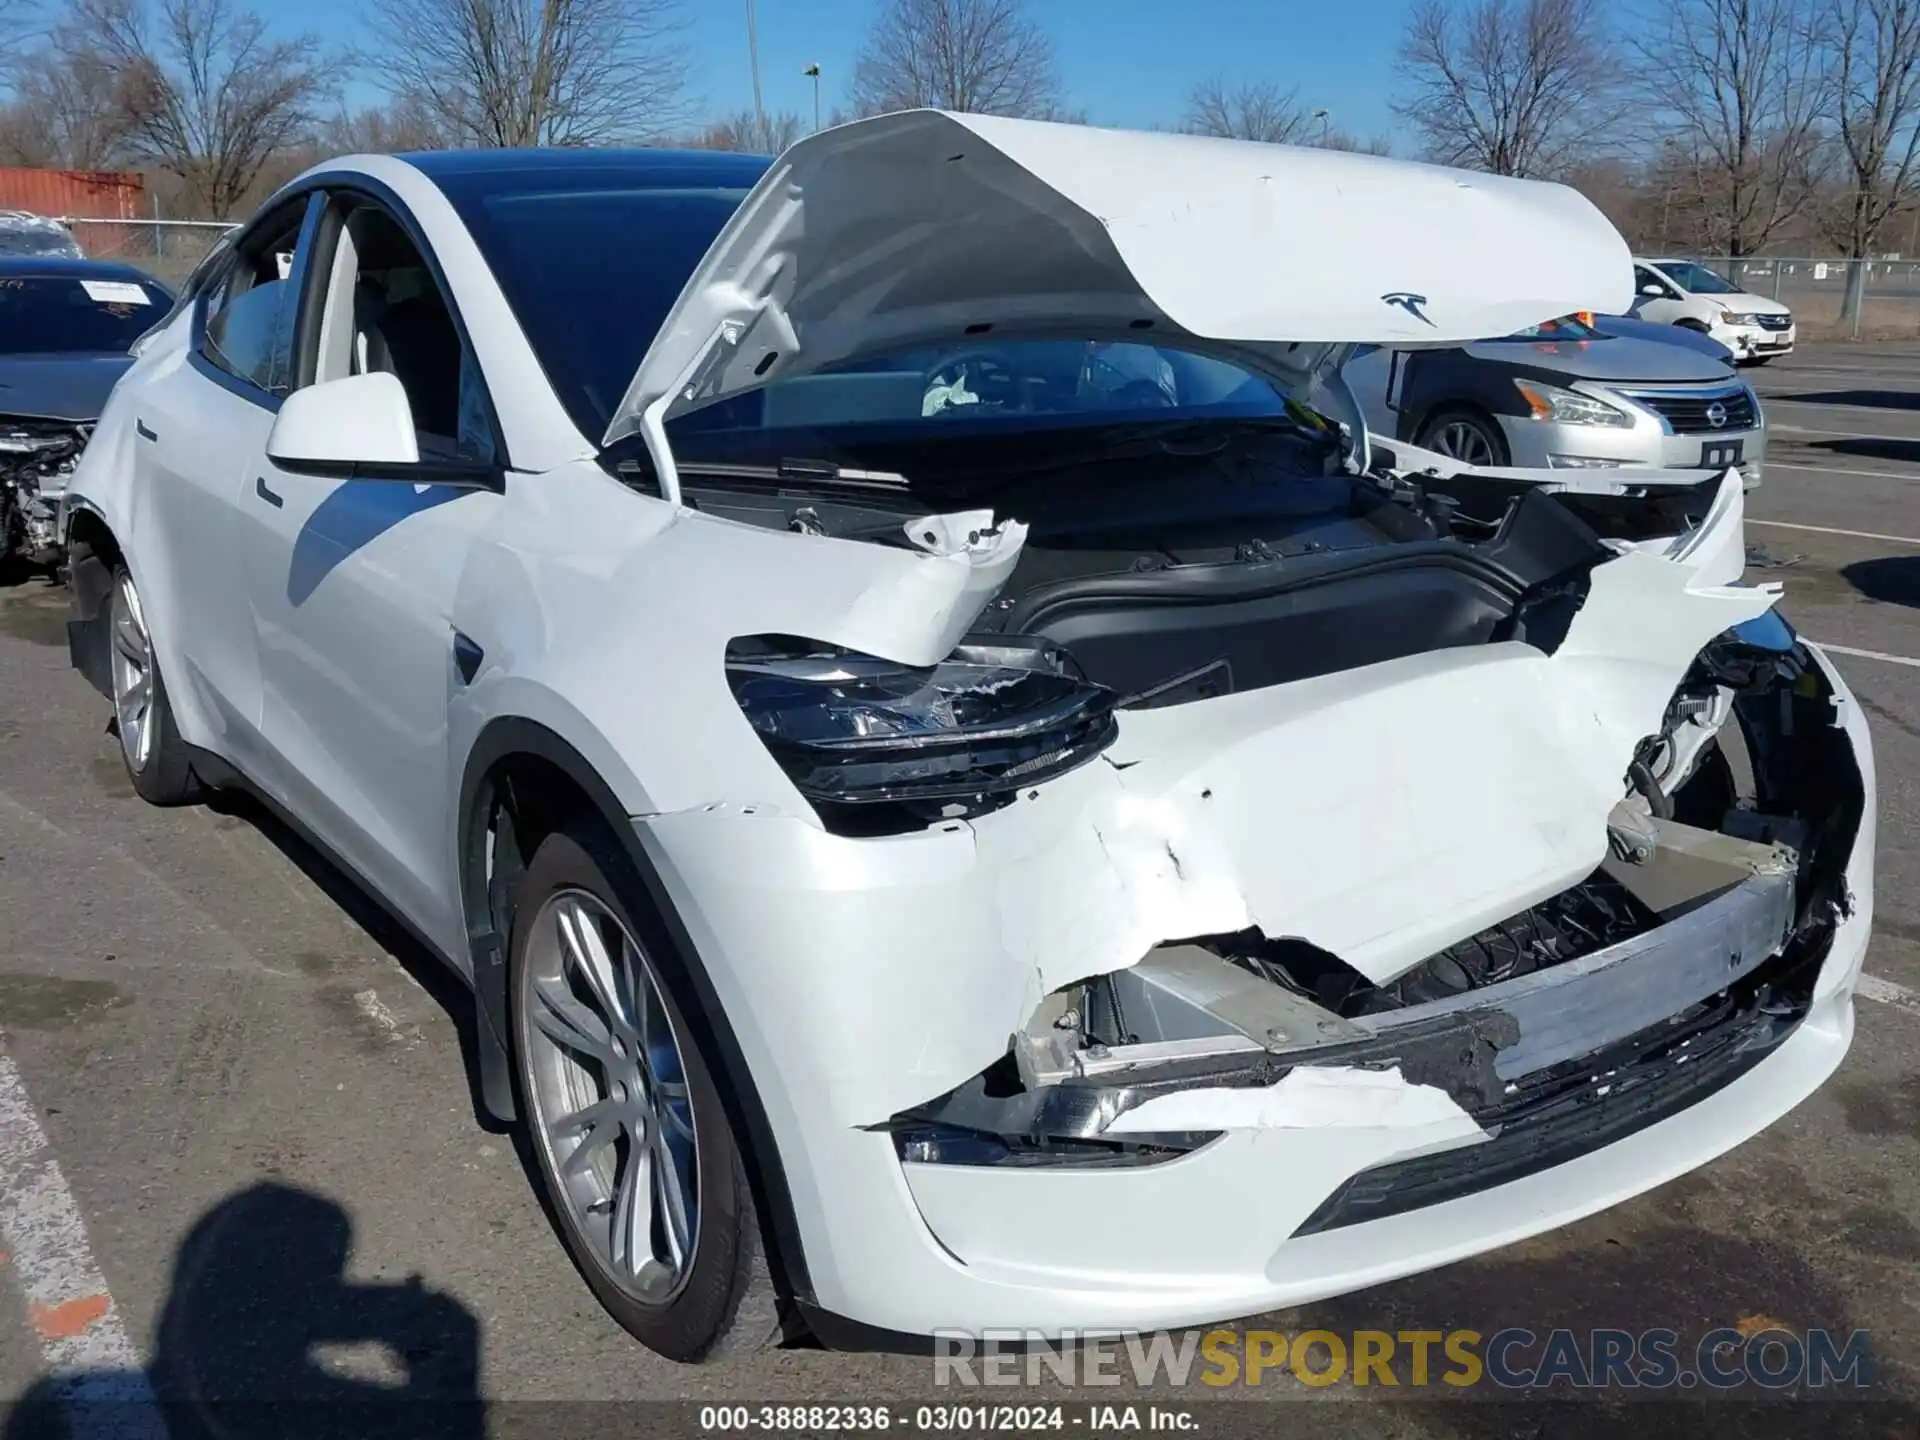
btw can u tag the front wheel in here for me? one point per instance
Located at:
(156, 757)
(643, 1176)
(1466, 436)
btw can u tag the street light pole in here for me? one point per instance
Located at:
(1325, 119)
(753, 61)
(813, 72)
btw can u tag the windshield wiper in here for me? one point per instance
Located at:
(791, 470)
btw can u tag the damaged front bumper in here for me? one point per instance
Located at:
(1248, 1149)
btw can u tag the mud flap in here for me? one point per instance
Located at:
(87, 640)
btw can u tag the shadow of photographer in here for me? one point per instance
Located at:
(263, 1336)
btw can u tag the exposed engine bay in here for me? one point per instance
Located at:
(1162, 563)
(36, 458)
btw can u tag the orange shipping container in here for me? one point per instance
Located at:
(99, 194)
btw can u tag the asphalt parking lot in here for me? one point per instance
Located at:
(240, 1156)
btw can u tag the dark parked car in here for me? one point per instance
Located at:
(65, 329)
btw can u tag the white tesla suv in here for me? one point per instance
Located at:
(966, 794)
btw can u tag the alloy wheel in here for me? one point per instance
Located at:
(1464, 441)
(132, 658)
(608, 1089)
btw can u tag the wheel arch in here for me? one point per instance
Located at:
(540, 779)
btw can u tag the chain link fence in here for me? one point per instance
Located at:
(1815, 289)
(166, 249)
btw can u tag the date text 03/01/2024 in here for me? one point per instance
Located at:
(1093, 1419)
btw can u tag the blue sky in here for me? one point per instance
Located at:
(1126, 62)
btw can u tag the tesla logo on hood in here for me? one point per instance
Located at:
(1408, 302)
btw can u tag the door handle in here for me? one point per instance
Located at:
(260, 489)
(140, 429)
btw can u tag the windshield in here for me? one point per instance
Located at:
(591, 249)
(1698, 279)
(1567, 327)
(32, 235)
(1010, 384)
(53, 314)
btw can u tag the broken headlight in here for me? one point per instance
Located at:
(853, 729)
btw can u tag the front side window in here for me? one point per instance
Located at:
(250, 310)
(385, 313)
(1700, 280)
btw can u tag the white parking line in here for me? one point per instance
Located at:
(1872, 987)
(1845, 434)
(1824, 404)
(1906, 660)
(91, 1360)
(1829, 530)
(1911, 476)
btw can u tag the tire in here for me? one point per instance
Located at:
(1757, 360)
(156, 757)
(1458, 428)
(719, 1300)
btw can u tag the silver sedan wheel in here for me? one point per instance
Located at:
(609, 1095)
(1465, 442)
(132, 675)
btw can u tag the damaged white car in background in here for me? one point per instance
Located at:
(966, 795)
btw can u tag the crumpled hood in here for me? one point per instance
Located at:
(58, 387)
(933, 226)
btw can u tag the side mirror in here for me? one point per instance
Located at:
(1653, 288)
(346, 426)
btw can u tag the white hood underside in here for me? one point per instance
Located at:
(929, 226)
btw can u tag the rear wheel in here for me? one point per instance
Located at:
(1466, 436)
(643, 1176)
(150, 745)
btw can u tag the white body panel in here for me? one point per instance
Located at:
(863, 976)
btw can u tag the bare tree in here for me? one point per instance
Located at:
(69, 108)
(753, 134)
(1518, 87)
(20, 28)
(1737, 85)
(1338, 139)
(989, 57)
(1873, 55)
(533, 72)
(1256, 110)
(205, 94)
(403, 124)
(1261, 110)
